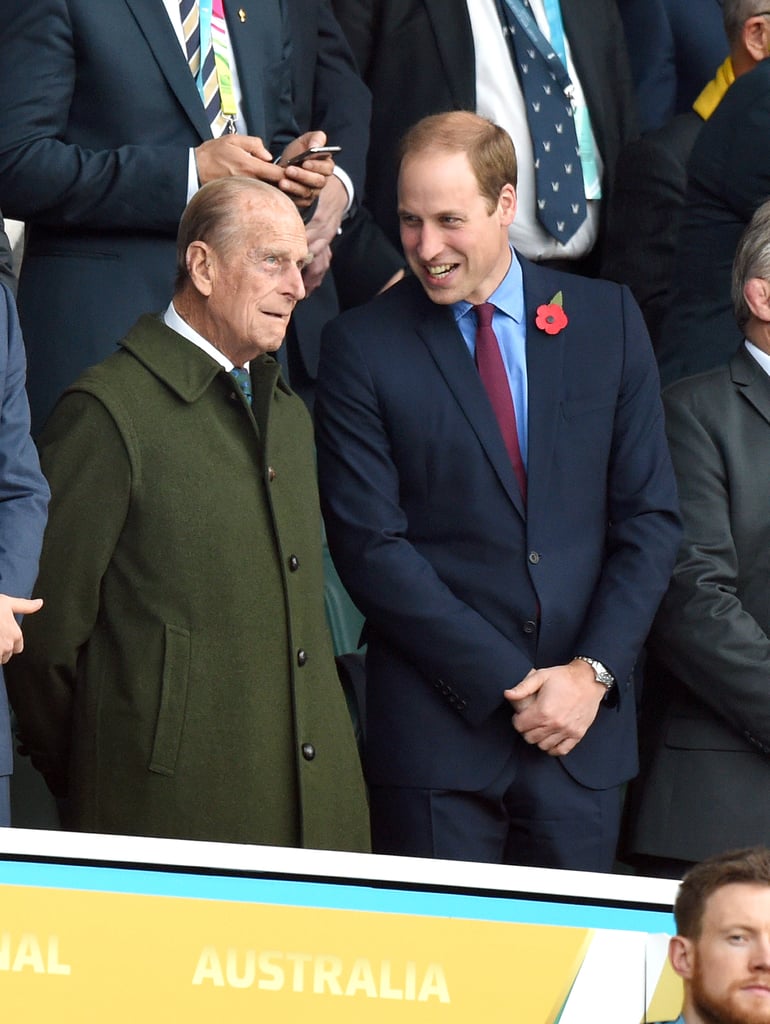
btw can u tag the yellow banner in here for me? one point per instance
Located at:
(133, 958)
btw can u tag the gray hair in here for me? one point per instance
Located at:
(214, 215)
(752, 259)
(736, 13)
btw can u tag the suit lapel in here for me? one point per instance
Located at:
(545, 368)
(454, 39)
(153, 20)
(442, 337)
(752, 381)
(247, 51)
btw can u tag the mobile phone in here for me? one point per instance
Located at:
(314, 153)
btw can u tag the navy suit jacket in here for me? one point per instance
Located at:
(462, 590)
(94, 157)
(23, 489)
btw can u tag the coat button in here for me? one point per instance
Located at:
(301, 657)
(270, 474)
(308, 751)
(529, 626)
(534, 557)
(293, 563)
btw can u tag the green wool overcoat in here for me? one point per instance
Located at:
(179, 680)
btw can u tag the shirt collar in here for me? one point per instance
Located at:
(173, 320)
(508, 297)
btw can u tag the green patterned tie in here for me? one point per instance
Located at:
(243, 377)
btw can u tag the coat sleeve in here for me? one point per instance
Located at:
(703, 633)
(89, 471)
(393, 584)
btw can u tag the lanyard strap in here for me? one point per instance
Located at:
(214, 34)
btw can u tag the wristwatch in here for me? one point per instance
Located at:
(603, 675)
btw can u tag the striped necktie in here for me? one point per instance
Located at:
(206, 78)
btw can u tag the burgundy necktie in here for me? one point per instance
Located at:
(494, 378)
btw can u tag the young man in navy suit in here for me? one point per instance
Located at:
(508, 583)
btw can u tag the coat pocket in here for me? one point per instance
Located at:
(173, 701)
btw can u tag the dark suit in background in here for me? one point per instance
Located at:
(645, 213)
(417, 57)
(94, 157)
(328, 93)
(729, 177)
(704, 785)
(674, 47)
(23, 502)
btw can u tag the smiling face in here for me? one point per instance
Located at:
(727, 968)
(251, 284)
(455, 244)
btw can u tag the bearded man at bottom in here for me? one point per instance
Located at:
(182, 681)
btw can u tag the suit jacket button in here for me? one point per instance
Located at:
(293, 563)
(301, 657)
(308, 751)
(270, 474)
(534, 557)
(529, 626)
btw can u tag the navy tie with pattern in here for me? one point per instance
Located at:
(561, 201)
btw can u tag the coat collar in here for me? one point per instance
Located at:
(183, 367)
(751, 380)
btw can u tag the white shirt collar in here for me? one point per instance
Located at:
(173, 320)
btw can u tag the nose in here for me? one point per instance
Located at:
(760, 953)
(293, 284)
(429, 243)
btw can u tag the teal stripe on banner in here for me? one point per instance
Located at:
(332, 896)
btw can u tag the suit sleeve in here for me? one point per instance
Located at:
(88, 469)
(23, 488)
(48, 180)
(358, 19)
(393, 584)
(643, 524)
(703, 633)
(341, 102)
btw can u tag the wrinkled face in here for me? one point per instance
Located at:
(455, 246)
(729, 963)
(256, 282)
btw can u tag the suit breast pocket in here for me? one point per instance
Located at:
(173, 701)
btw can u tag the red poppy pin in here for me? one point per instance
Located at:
(551, 318)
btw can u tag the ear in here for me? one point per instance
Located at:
(200, 261)
(681, 953)
(756, 38)
(756, 292)
(506, 204)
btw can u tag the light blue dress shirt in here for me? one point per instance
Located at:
(511, 332)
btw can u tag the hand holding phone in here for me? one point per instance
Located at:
(314, 153)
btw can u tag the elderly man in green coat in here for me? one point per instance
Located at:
(180, 680)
